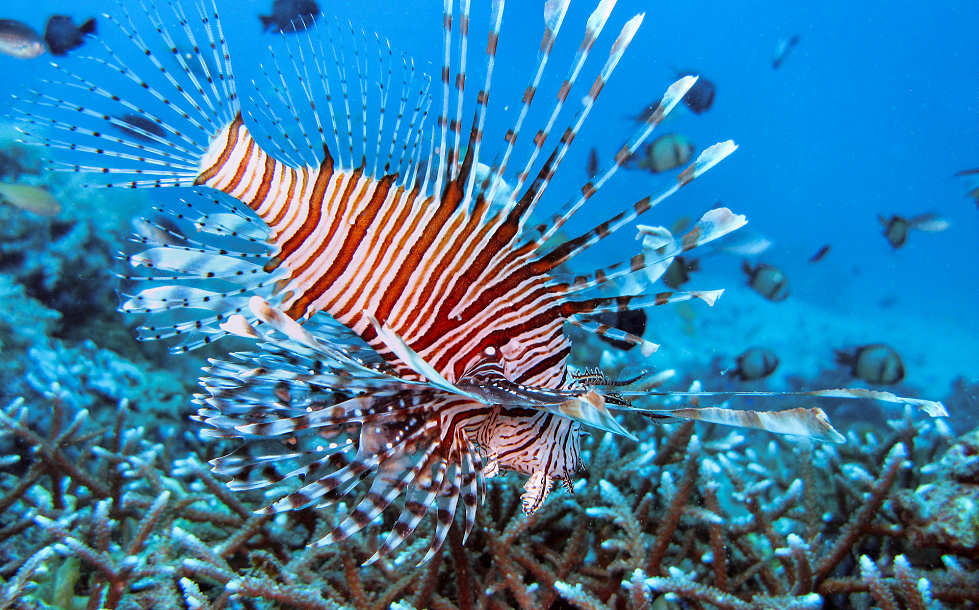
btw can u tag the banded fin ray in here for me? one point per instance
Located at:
(128, 128)
(932, 408)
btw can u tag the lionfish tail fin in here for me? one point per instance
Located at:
(143, 111)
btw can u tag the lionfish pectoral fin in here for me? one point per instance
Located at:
(589, 409)
(410, 357)
(932, 408)
(536, 489)
(808, 422)
(278, 320)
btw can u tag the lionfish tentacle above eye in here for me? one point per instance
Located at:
(408, 333)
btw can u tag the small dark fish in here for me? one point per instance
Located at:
(887, 302)
(632, 321)
(896, 227)
(678, 273)
(19, 40)
(290, 15)
(666, 152)
(680, 225)
(895, 230)
(768, 281)
(143, 123)
(646, 112)
(592, 167)
(700, 97)
(755, 363)
(62, 35)
(782, 50)
(974, 192)
(818, 256)
(877, 363)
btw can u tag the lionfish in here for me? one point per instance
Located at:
(408, 317)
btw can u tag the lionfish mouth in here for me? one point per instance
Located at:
(408, 315)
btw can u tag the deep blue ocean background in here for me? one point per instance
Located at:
(871, 113)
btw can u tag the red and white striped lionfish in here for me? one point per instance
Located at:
(408, 319)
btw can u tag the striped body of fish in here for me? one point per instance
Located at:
(409, 323)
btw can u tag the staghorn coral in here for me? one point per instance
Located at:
(100, 516)
(106, 501)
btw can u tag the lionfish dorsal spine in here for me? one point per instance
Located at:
(554, 13)
(593, 29)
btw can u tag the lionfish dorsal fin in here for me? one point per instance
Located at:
(712, 225)
(554, 13)
(595, 24)
(327, 91)
(482, 98)
(134, 132)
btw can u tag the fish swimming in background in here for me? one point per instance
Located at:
(755, 363)
(767, 280)
(896, 227)
(678, 273)
(877, 363)
(699, 99)
(663, 154)
(782, 50)
(592, 167)
(818, 256)
(974, 192)
(408, 327)
(290, 15)
(62, 35)
(140, 127)
(632, 322)
(19, 40)
(31, 198)
(701, 96)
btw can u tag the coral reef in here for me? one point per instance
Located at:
(103, 515)
(59, 296)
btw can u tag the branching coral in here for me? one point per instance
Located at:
(101, 516)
